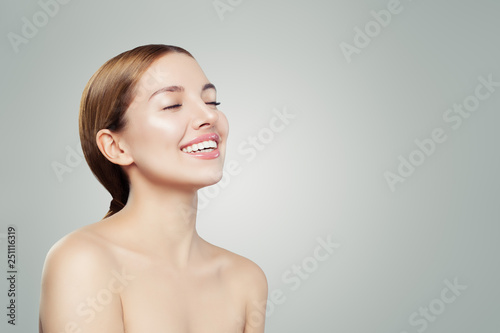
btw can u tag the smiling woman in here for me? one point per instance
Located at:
(152, 135)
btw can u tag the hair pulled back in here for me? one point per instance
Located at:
(105, 99)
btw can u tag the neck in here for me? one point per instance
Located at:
(163, 221)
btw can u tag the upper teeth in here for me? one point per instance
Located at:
(200, 146)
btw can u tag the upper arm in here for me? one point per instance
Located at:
(257, 290)
(79, 290)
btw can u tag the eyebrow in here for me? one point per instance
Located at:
(180, 89)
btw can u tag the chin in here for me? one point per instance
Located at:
(213, 178)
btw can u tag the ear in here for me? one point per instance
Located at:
(109, 145)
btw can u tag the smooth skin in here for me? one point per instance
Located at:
(146, 269)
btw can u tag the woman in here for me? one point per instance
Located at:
(152, 135)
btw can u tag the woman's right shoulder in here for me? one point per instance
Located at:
(78, 251)
(79, 270)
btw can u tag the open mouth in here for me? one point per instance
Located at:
(201, 147)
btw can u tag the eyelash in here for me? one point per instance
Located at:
(172, 106)
(178, 105)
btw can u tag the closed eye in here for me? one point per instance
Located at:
(179, 105)
(172, 106)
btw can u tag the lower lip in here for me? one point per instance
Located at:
(206, 156)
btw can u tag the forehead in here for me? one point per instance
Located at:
(173, 69)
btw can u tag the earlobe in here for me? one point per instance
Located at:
(109, 145)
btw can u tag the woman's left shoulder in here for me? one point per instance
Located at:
(242, 270)
(249, 283)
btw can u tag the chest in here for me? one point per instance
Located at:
(161, 302)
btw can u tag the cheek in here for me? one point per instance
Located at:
(223, 124)
(153, 134)
(167, 130)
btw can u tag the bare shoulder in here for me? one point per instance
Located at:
(78, 269)
(80, 259)
(250, 284)
(78, 250)
(243, 273)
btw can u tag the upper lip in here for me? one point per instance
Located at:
(201, 138)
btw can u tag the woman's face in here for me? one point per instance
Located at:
(174, 107)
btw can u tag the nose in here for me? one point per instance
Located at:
(204, 116)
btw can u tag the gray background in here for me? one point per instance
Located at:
(323, 174)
